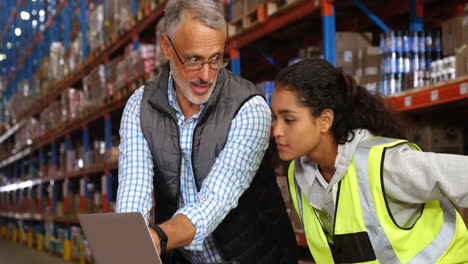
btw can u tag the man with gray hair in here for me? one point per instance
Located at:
(198, 136)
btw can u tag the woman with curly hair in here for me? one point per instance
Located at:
(363, 194)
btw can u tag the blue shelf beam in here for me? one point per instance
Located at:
(67, 16)
(372, 16)
(53, 157)
(84, 29)
(416, 12)
(134, 7)
(85, 139)
(68, 143)
(328, 30)
(270, 59)
(235, 60)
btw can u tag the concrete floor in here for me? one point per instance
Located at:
(13, 253)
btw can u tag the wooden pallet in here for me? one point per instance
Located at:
(279, 6)
(250, 19)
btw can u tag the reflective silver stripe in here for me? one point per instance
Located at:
(380, 242)
(299, 200)
(441, 242)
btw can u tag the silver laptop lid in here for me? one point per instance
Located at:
(119, 238)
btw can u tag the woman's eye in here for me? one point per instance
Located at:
(289, 121)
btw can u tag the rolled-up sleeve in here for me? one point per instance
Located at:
(135, 162)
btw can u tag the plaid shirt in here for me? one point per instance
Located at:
(229, 177)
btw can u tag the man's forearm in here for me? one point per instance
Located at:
(179, 230)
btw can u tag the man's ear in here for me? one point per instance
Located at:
(326, 120)
(164, 44)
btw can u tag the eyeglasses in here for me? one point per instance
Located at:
(195, 65)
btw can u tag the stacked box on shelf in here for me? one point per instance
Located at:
(142, 61)
(112, 76)
(347, 46)
(461, 58)
(99, 151)
(93, 203)
(21, 101)
(123, 79)
(27, 133)
(95, 28)
(44, 76)
(454, 34)
(237, 9)
(36, 86)
(56, 61)
(110, 19)
(368, 70)
(72, 104)
(94, 87)
(124, 14)
(74, 57)
(51, 117)
(438, 138)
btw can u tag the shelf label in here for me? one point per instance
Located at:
(464, 88)
(408, 101)
(435, 95)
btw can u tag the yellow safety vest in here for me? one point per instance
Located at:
(364, 228)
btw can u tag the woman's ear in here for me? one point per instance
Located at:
(326, 120)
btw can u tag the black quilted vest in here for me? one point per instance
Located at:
(258, 230)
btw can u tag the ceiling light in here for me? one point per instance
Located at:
(18, 32)
(25, 15)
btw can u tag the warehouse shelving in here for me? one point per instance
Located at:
(437, 94)
(270, 20)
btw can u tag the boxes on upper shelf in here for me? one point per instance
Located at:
(94, 87)
(461, 58)
(95, 28)
(72, 104)
(57, 61)
(454, 34)
(438, 138)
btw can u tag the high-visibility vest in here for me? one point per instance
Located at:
(364, 228)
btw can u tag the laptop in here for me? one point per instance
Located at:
(119, 238)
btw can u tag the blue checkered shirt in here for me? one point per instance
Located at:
(229, 177)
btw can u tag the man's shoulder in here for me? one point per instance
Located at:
(137, 96)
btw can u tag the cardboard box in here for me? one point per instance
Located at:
(465, 29)
(347, 46)
(440, 139)
(250, 5)
(353, 40)
(461, 57)
(454, 34)
(237, 9)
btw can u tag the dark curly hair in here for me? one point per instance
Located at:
(321, 86)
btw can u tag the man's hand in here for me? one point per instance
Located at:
(155, 238)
